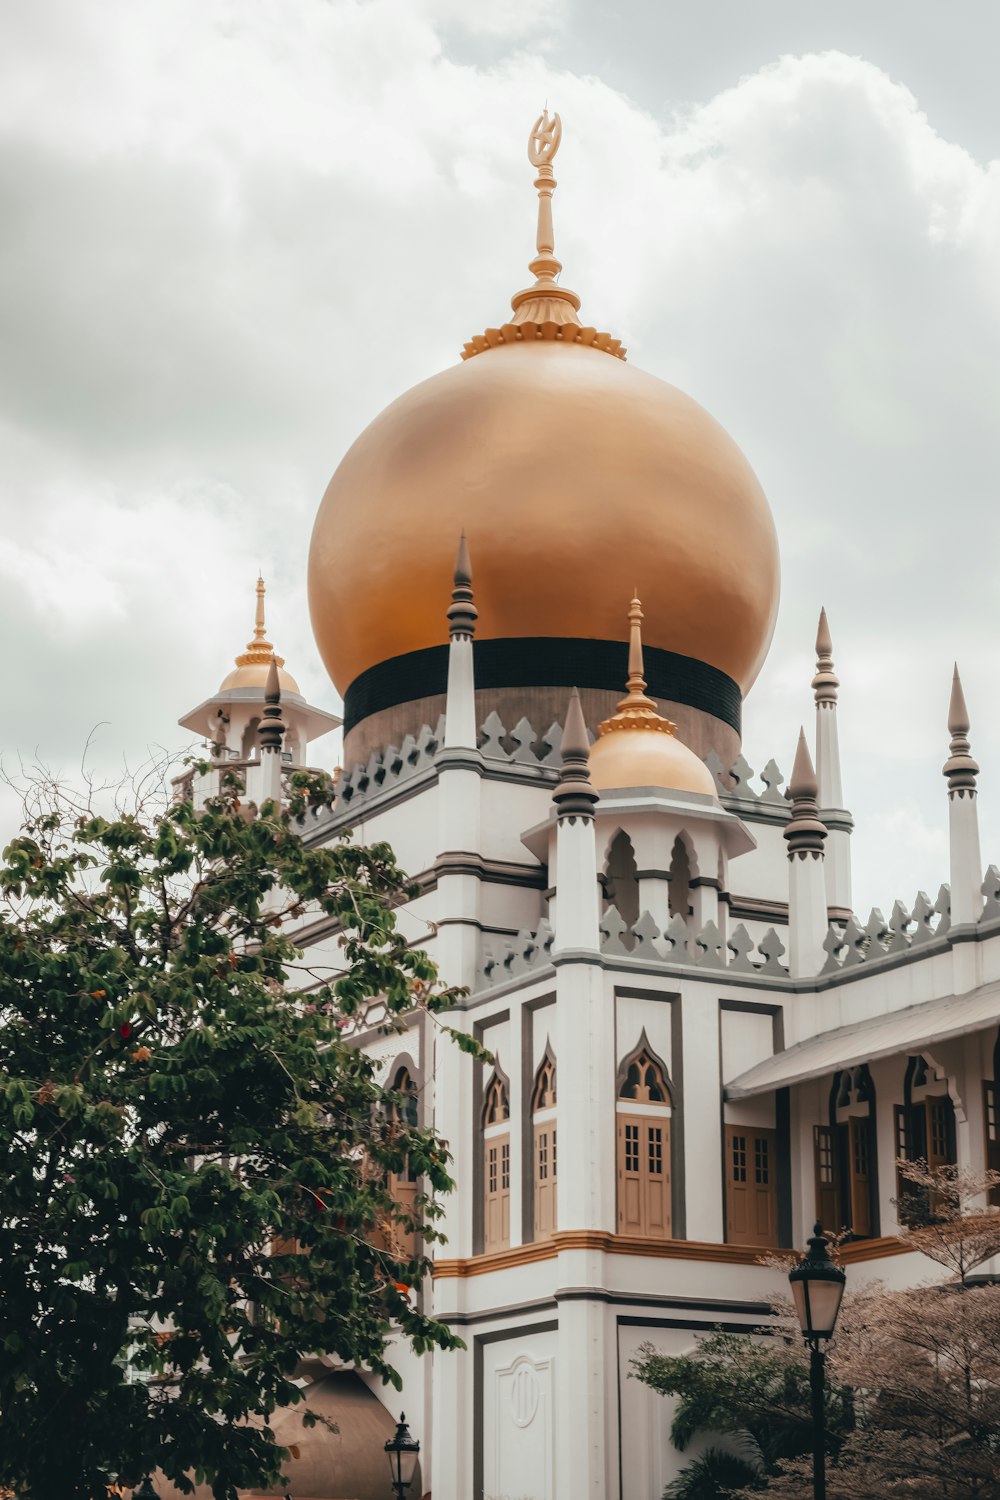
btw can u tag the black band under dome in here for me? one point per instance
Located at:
(544, 661)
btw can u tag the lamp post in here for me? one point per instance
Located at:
(817, 1287)
(402, 1450)
(145, 1491)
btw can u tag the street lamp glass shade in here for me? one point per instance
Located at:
(817, 1288)
(403, 1451)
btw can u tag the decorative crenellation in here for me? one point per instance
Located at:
(991, 892)
(392, 765)
(525, 745)
(848, 944)
(736, 791)
(645, 942)
(522, 745)
(517, 956)
(676, 944)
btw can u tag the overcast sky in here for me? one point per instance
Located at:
(232, 230)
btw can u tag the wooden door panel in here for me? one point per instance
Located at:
(751, 1187)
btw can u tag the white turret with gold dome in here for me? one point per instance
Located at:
(230, 717)
(575, 476)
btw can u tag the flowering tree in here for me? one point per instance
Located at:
(913, 1395)
(180, 1114)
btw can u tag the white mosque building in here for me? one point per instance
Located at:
(699, 1046)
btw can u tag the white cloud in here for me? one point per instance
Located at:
(234, 231)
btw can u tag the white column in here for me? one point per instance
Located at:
(805, 835)
(577, 895)
(702, 1186)
(807, 913)
(453, 1420)
(460, 729)
(704, 906)
(585, 1352)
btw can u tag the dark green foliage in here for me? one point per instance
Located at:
(176, 1095)
(753, 1389)
(716, 1475)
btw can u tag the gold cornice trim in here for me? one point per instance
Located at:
(608, 1244)
(550, 331)
(620, 1244)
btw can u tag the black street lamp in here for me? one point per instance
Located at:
(145, 1491)
(402, 1450)
(817, 1287)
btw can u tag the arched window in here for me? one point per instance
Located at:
(621, 879)
(250, 747)
(844, 1156)
(925, 1131)
(680, 879)
(496, 1164)
(403, 1185)
(991, 1122)
(643, 1118)
(543, 1119)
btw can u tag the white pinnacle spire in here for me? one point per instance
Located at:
(460, 731)
(829, 789)
(960, 771)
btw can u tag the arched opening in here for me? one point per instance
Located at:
(643, 1146)
(991, 1121)
(250, 747)
(844, 1156)
(621, 879)
(680, 879)
(543, 1120)
(496, 1163)
(403, 1184)
(925, 1132)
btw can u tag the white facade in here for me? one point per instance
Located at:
(813, 1083)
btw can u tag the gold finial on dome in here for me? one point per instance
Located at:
(653, 757)
(545, 310)
(635, 710)
(259, 651)
(545, 302)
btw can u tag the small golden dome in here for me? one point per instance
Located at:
(252, 664)
(637, 746)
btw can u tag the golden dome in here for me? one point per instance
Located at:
(576, 477)
(252, 664)
(637, 746)
(570, 472)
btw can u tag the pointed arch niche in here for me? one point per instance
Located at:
(644, 1178)
(496, 1161)
(544, 1145)
(845, 1156)
(683, 868)
(925, 1131)
(402, 1185)
(621, 878)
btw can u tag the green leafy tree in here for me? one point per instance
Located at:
(193, 1158)
(755, 1391)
